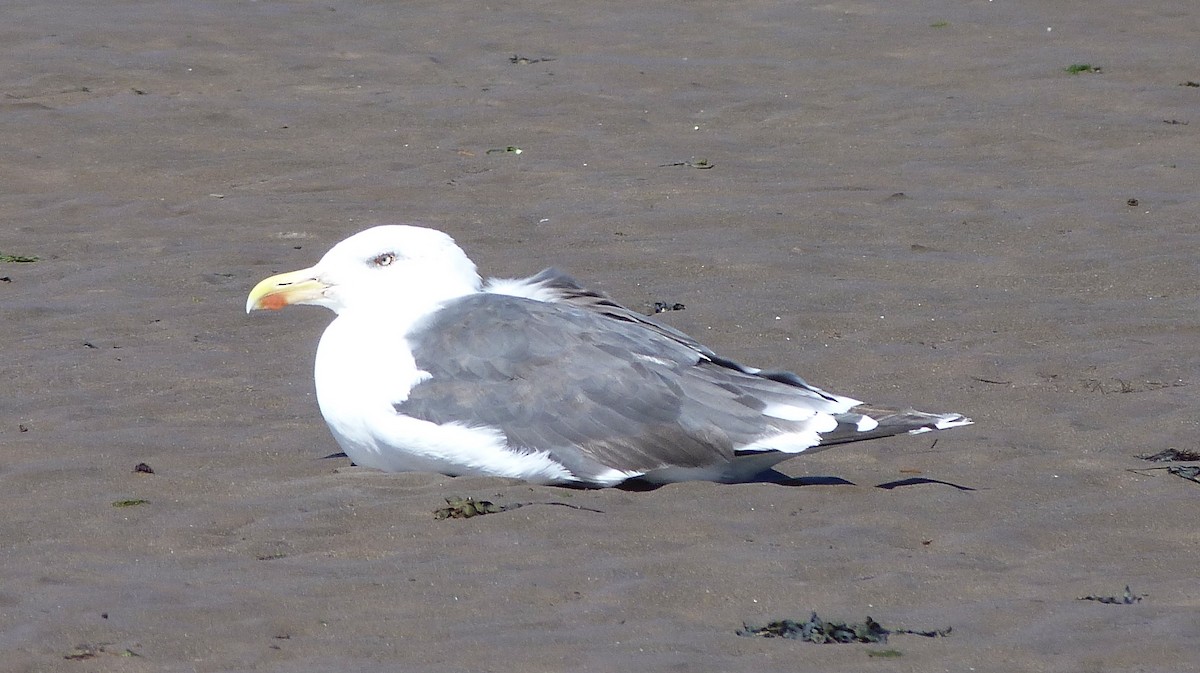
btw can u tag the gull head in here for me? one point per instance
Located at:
(391, 267)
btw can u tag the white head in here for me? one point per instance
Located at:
(387, 268)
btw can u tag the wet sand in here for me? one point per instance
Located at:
(910, 203)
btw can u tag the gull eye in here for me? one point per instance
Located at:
(384, 259)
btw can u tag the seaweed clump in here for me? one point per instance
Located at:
(817, 630)
(465, 508)
(1128, 598)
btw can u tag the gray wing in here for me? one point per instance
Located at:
(596, 393)
(570, 291)
(889, 422)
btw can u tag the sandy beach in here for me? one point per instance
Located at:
(911, 203)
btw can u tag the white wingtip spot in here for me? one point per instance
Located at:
(867, 424)
(942, 423)
(953, 421)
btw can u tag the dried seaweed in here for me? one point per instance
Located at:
(701, 164)
(817, 630)
(517, 59)
(1126, 386)
(1128, 598)
(87, 651)
(664, 306)
(1189, 472)
(132, 502)
(465, 508)
(1172, 454)
(18, 259)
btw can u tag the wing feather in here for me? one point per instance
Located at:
(598, 394)
(602, 388)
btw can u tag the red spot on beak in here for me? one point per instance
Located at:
(273, 302)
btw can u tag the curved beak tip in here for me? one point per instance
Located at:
(276, 292)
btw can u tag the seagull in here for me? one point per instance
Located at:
(427, 367)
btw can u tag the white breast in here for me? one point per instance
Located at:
(363, 370)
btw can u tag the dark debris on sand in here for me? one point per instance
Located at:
(817, 630)
(664, 306)
(465, 508)
(87, 651)
(18, 259)
(1172, 454)
(1128, 598)
(1189, 472)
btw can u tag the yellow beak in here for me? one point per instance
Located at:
(296, 287)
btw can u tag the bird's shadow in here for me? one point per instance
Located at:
(917, 481)
(639, 485)
(781, 479)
